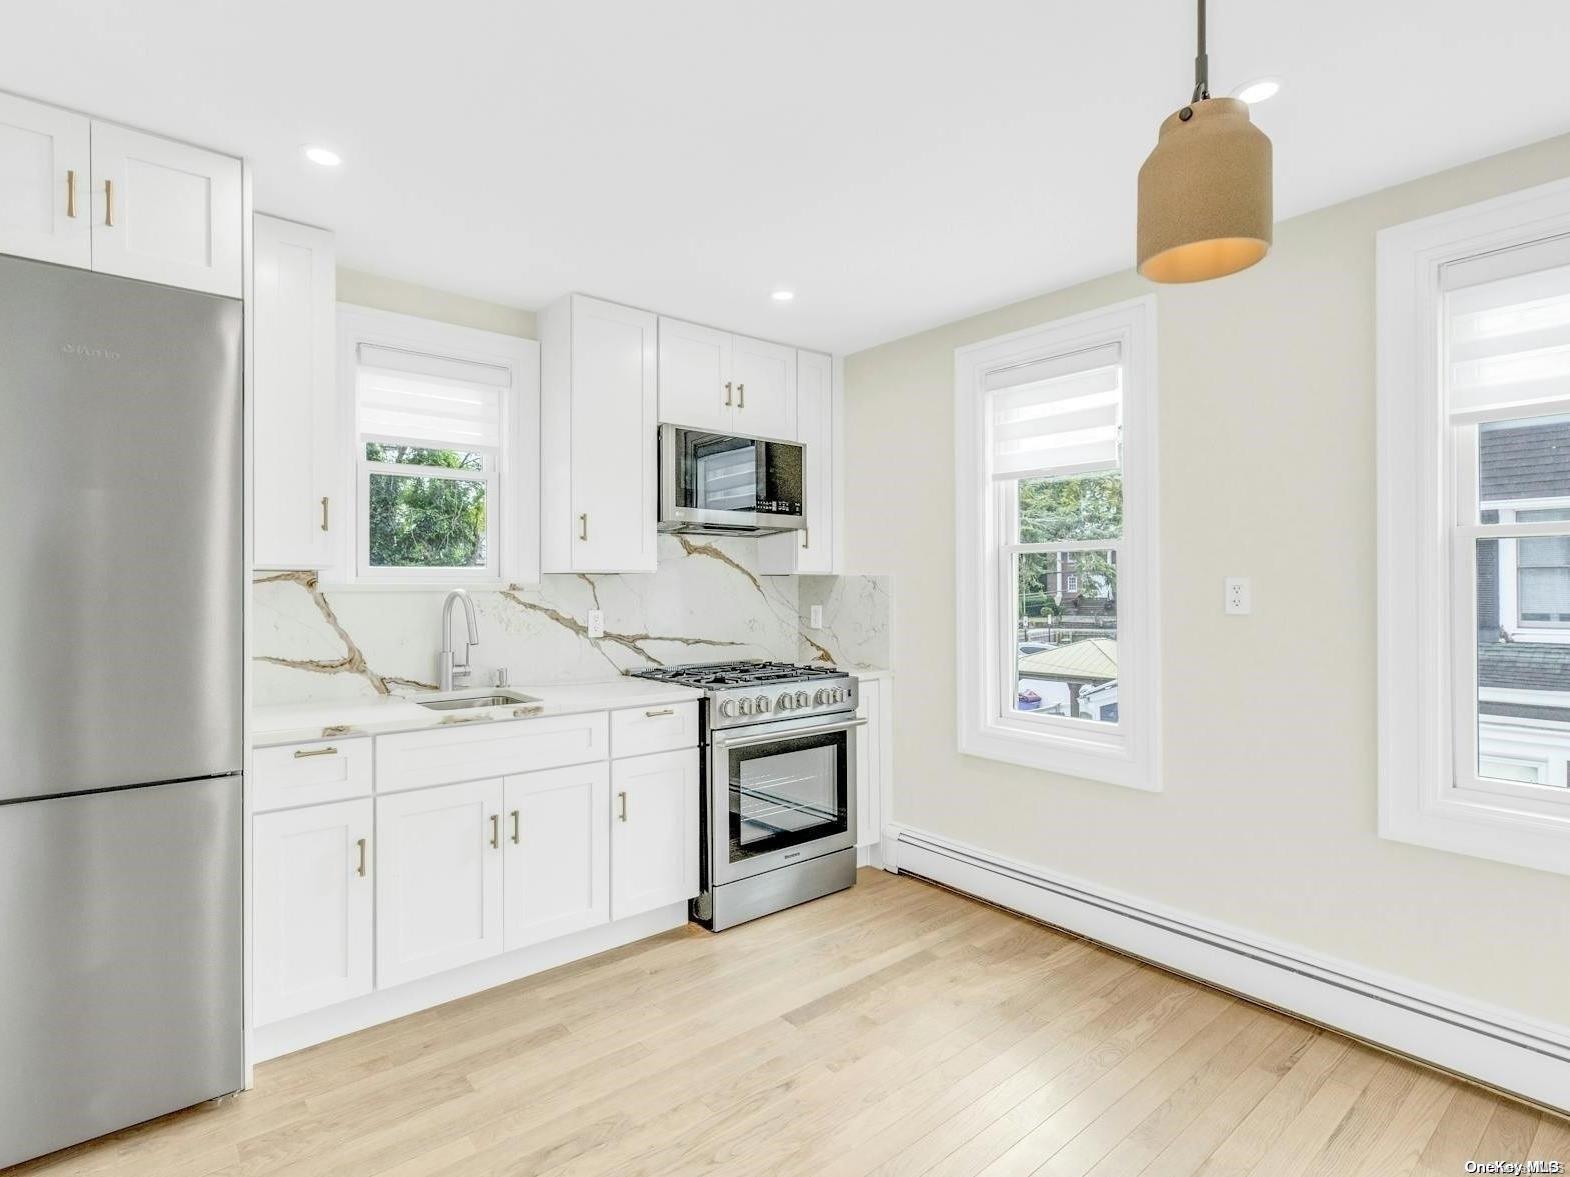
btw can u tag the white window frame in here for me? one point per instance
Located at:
(512, 479)
(1429, 792)
(1543, 632)
(1124, 753)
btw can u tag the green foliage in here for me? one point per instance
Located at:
(1088, 506)
(421, 522)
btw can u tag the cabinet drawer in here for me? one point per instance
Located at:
(411, 760)
(638, 731)
(309, 774)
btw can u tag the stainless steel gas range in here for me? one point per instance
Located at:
(779, 785)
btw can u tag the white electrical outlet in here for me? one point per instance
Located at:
(596, 623)
(1239, 598)
(815, 617)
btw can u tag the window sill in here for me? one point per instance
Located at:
(421, 586)
(1481, 827)
(1106, 760)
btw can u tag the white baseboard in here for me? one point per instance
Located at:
(1495, 1046)
(383, 1005)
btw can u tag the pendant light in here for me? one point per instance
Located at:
(1204, 192)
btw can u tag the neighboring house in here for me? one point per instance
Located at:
(1523, 605)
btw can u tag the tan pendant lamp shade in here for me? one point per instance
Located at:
(1205, 206)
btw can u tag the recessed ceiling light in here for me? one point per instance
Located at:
(322, 156)
(1259, 90)
(783, 295)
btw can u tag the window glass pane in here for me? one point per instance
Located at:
(426, 522)
(1525, 459)
(1066, 635)
(1523, 687)
(413, 455)
(1086, 506)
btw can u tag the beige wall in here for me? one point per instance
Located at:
(388, 294)
(1267, 821)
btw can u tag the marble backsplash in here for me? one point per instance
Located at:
(707, 602)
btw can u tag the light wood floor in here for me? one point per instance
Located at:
(892, 1029)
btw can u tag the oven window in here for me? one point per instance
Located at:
(787, 792)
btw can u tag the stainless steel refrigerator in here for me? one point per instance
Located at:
(121, 590)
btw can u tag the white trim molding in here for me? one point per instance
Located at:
(1429, 792)
(1498, 1047)
(1125, 752)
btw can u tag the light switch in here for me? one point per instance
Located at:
(596, 623)
(1239, 596)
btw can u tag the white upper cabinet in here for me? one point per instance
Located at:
(726, 383)
(558, 870)
(165, 211)
(810, 550)
(45, 161)
(295, 417)
(654, 831)
(599, 418)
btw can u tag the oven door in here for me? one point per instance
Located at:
(717, 480)
(780, 796)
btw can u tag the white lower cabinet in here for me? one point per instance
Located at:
(654, 831)
(869, 808)
(311, 928)
(557, 861)
(439, 879)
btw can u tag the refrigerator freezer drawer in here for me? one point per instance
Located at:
(121, 975)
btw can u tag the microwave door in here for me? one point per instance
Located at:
(725, 473)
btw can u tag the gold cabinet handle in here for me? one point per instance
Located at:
(496, 831)
(517, 827)
(583, 527)
(727, 394)
(324, 512)
(109, 203)
(70, 192)
(741, 396)
(660, 712)
(806, 537)
(360, 870)
(621, 804)
(304, 754)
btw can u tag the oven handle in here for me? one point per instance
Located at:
(772, 737)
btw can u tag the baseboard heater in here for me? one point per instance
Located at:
(1518, 1056)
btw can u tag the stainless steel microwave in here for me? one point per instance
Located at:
(717, 484)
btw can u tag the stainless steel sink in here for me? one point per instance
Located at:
(494, 699)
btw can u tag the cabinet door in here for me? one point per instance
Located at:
(696, 389)
(45, 189)
(654, 831)
(295, 422)
(312, 908)
(614, 437)
(765, 379)
(812, 548)
(558, 867)
(438, 879)
(869, 763)
(165, 211)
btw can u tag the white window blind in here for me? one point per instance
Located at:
(1507, 332)
(1057, 417)
(426, 408)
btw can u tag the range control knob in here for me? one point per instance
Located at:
(728, 708)
(803, 699)
(762, 704)
(823, 697)
(784, 702)
(744, 705)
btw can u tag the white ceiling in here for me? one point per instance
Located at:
(896, 163)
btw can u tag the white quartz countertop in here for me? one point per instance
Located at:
(292, 723)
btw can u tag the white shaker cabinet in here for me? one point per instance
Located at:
(726, 383)
(45, 193)
(557, 861)
(311, 925)
(599, 418)
(294, 410)
(439, 879)
(654, 831)
(810, 550)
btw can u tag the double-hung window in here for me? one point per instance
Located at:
(444, 478)
(1474, 520)
(1055, 456)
